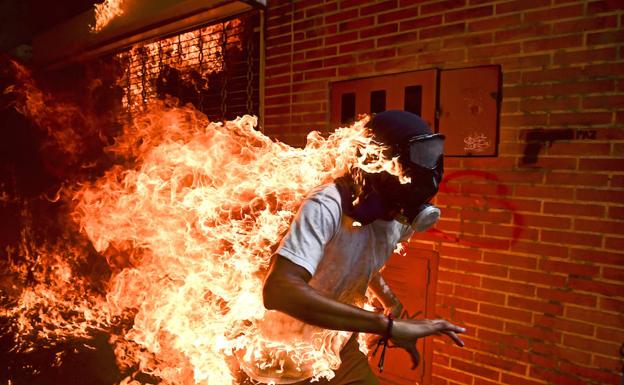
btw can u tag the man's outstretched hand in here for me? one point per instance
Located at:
(405, 333)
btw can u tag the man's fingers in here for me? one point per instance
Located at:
(415, 356)
(455, 338)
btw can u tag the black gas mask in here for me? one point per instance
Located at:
(421, 156)
(422, 160)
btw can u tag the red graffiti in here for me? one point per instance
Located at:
(501, 190)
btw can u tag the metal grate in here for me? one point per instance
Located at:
(214, 67)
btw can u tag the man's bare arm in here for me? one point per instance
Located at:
(286, 289)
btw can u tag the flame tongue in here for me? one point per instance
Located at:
(188, 226)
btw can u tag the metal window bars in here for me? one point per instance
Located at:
(213, 67)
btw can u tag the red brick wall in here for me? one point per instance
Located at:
(531, 254)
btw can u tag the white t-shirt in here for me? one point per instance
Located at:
(342, 259)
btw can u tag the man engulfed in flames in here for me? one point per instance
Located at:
(341, 237)
(187, 220)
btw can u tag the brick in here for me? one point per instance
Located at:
(610, 37)
(546, 192)
(587, 24)
(450, 374)
(468, 41)
(494, 23)
(565, 325)
(379, 7)
(524, 62)
(534, 332)
(322, 73)
(566, 296)
(574, 209)
(547, 221)
(420, 22)
(587, 149)
(581, 119)
(482, 268)
(555, 13)
(441, 57)
(520, 5)
(459, 278)
(420, 47)
(475, 320)
(599, 256)
(609, 363)
(553, 376)
(394, 65)
(603, 6)
(571, 238)
(468, 13)
(460, 252)
(340, 16)
(590, 373)
(321, 52)
(603, 101)
(612, 304)
(321, 31)
(341, 38)
(598, 195)
(614, 243)
(606, 164)
(441, 6)
(480, 295)
(352, 24)
(522, 31)
(494, 50)
(459, 303)
(357, 46)
(379, 31)
(303, 25)
(511, 379)
(505, 313)
(591, 345)
(599, 226)
(579, 179)
(552, 75)
(397, 39)
(576, 269)
(510, 259)
(404, 13)
(445, 30)
(535, 305)
(535, 277)
(550, 43)
(502, 338)
(609, 334)
(616, 212)
(584, 56)
(348, 59)
(474, 369)
(319, 10)
(608, 289)
(508, 286)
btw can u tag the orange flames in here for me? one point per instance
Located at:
(105, 12)
(196, 55)
(187, 223)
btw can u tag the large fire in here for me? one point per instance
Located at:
(187, 221)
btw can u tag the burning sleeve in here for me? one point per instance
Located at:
(314, 226)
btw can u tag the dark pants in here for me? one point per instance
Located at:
(354, 369)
